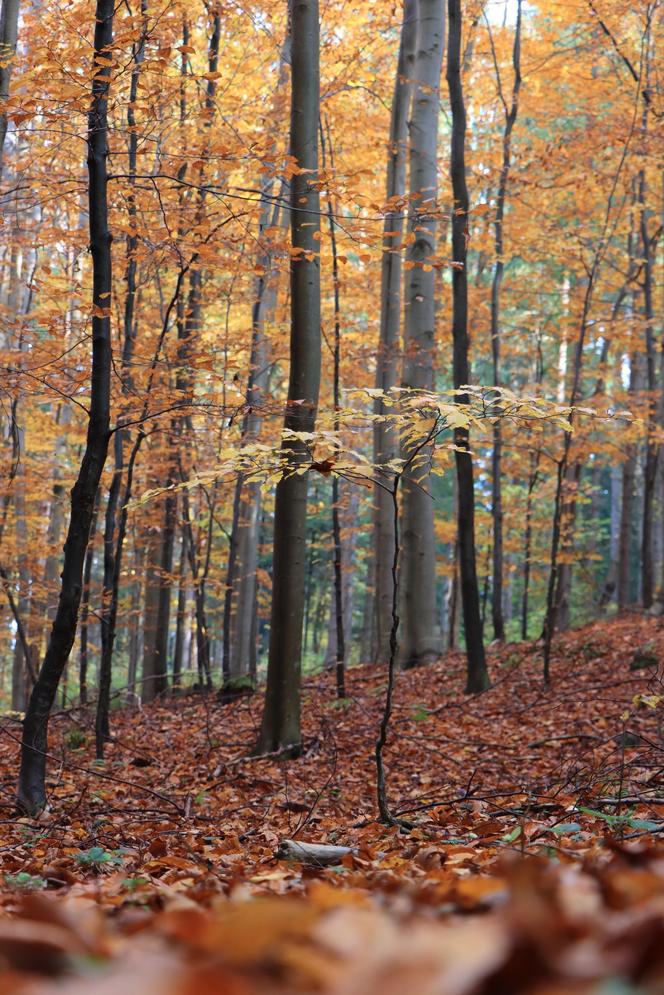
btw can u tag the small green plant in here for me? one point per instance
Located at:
(626, 820)
(97, 858)
(420, 714)
(25, 882)
(76, 739)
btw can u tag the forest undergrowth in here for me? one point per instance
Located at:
(530, 861)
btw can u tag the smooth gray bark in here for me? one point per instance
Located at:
(420, 639)
(386, 443)
(8, 40)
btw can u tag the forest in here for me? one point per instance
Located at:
(332, 497)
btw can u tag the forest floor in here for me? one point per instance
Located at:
(532, 864)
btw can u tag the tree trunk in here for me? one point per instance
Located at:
(243, 552)
(8, 40)
(386, 443)
(178, 649)
(627, 504)
(113, 545)
(32, 776)
(150, 605)
(280, 729)
(420, 632)
(84, 654)
(652, 447)
(477, 675)
(496, 459)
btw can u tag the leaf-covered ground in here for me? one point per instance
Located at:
(532, 864)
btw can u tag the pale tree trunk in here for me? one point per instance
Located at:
(477, 675)
(34, 746)
(627, 503)
(496, 459)
(8, 40)
(84, 620)
(419, 634)
(386, 443)
(181, 615)
(135, 623)
(280, 728)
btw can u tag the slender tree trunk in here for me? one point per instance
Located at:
(627, 504)
(527, 542)
(652, 447)
(154, 664)
(338, 566)
(178, 649)
(160, 665)
(32, 776)
(420, 632)
(477, 675)
(8, 40)
(135, 624)
(113, 544)
(280, 729)
(496, 460)
(84, 655)
(386, 443)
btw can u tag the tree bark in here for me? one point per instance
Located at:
(34, 746)
(84, 655)
(477, 675)
(8, 40)
(178, 649)
(280, 728)
(499, 267)
(113, 544)
(652, 447)
(420, 640)
(386, 443)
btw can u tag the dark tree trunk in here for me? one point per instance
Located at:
(112, 544)
(32, 777)
(478, 678)
(386, 443)
(652, 447)
(496, 461)
(280, 727)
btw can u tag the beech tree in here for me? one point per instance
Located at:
(8, 40)
(386, 444)
(498, 270)
(34, 745)
(420, 632)
(478, 678)
(280, 727)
